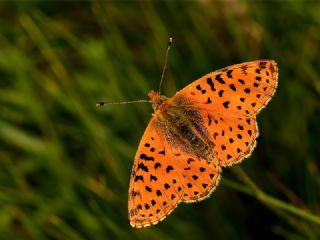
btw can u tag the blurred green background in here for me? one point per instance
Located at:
(65, 164)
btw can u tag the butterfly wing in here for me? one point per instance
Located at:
(200, 177)
(239, 90)
(163, 176)
(156, 183)
(228, 100)
(234, 138)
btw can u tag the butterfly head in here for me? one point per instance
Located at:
(156, 99)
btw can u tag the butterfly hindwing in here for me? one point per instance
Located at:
(234, 138)
(200, 177)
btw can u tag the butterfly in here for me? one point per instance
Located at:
(209, 124)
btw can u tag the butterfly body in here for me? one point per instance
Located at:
(209, 124)
(183, 126)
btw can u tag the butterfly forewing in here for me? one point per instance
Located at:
(240, 90)
(156, 183)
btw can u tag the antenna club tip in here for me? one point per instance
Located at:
(170, 41)
(100, 104)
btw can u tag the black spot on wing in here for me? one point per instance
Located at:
(263, 64)
(169, 168)
(146, 158)
(143, 167)
(209, 119)
(241, 81)
(211, 84)
(226, 104)
(232, 87)
(163, 152)
(219, 79)
(157, 165)
(153, 178)
(229, 73)
(138, 177)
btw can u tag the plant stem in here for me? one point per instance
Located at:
(268, 200)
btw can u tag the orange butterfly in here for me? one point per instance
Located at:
(209, 124)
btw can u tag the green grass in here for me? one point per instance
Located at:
(65, 164)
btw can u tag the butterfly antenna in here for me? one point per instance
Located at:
(165, 63)
(104, 103)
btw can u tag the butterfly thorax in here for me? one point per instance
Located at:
(183, 126)
(156, 99)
